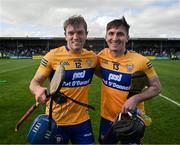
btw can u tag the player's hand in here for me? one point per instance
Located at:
(129, 105)
(40, 95)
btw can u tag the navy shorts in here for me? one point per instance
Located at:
(77, 134)
(105, 127)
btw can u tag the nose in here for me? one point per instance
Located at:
(75, 36)
(114, 37)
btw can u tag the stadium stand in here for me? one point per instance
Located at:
(27, 47)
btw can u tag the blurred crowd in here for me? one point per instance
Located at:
(29, 52)
(156, 52)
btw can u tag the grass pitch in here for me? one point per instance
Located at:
(15, 99)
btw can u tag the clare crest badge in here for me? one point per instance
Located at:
(89, 62)
(130, 67)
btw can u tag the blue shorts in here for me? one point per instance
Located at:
(105, 128)
(77, 134)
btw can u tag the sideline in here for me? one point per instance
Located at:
(172, 101)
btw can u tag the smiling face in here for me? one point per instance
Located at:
(75, 37)
(116, 38)
(75, 31)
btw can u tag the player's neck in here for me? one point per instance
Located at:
(118, 53)
(73, 51)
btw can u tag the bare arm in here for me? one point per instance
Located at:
(153, 90)
(37, 89)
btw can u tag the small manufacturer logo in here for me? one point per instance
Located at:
(64, 62)
(104, 61)
(59, 139)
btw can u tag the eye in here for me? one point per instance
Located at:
(120, 34)
(111, 33)
(80, 33)
(70, 33)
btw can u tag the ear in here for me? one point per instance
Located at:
(127, 38)
(105, 36)
(65, 35)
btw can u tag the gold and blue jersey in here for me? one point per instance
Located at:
(79, 70)
(116, 79)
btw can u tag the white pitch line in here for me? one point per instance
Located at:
(172, 101)
(14, 69)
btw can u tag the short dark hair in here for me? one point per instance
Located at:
(75, 20)
(118, 23)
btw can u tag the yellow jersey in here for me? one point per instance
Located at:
(116, 79)
(79, 70)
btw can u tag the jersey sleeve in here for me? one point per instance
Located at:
(46, 64)
(148, 68)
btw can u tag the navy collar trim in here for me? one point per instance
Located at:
(67, 48)
(125, 52)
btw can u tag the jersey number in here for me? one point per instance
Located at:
(116, 66)
(78, 64)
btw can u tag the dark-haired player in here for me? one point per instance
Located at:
(117, 65)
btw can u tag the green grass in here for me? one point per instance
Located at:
(15, 99)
